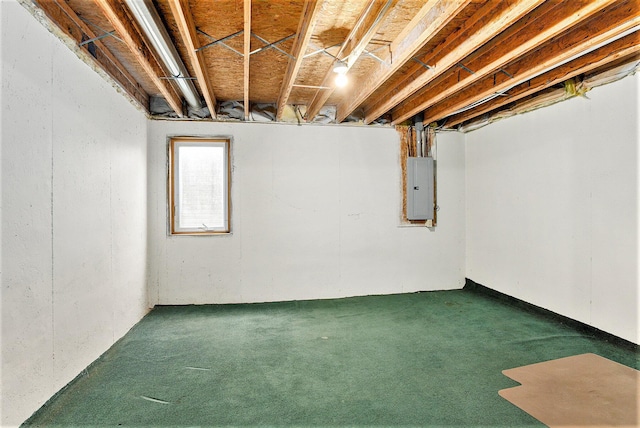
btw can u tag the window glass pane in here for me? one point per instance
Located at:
(201, 184)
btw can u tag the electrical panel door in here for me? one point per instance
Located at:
(420, 190)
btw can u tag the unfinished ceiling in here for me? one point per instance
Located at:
(447, 61)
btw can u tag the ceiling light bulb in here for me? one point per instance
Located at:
(341, 80)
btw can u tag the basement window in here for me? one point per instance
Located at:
(199, 183)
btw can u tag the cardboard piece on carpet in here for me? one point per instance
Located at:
(579, 391)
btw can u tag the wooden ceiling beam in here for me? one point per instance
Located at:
(533, 36)
(117, 16)
(187, 27)
(467, 27)
(305, 29)
(429, 20)
(627, 46)
(494, 26)
(71, 25)
(365, 28)
(553, 54)
(247, 56)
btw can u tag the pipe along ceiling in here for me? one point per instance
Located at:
(151, 23)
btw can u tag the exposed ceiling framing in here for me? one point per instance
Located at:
(184, 20)
(78, 31)
(305, 30)
(450, 61)
(117, 15)
(353, 46)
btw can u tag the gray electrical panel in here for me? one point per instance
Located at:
(420, 188)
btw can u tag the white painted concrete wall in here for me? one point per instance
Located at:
(73, 214)
(315, 215)
(552, 208)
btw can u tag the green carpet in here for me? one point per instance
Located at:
(424, 359)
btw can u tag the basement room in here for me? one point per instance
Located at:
(320, 213)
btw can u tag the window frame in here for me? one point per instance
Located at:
(172, 182)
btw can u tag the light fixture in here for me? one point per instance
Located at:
(341, 69)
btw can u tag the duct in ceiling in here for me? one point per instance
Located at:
(150, 22)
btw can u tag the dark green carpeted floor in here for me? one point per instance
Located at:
(425, 359)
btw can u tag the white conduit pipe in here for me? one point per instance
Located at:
(417, 120)
(150, 22)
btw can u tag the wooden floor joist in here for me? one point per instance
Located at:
(115, 13)
(626, 47)
(496, 25)
(71, 25)
(305, 29)
(370, 20)
(431, 18)
(537, 33)
(184, 20)
(469, 26)
(553, 54)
